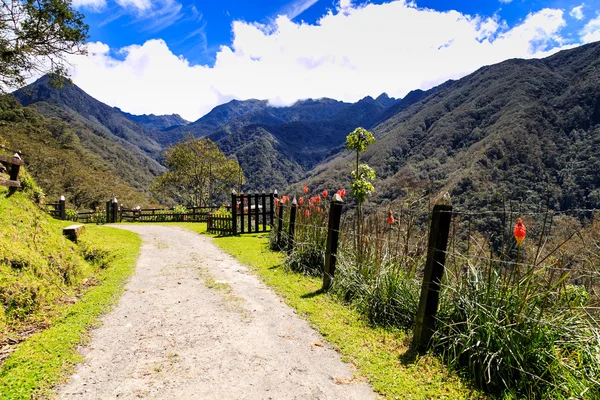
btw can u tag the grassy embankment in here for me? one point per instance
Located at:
(52, 292)
(381, 356)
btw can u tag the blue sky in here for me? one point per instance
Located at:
(288, 50)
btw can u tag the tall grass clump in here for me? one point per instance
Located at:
(531, 336)
(524, 324)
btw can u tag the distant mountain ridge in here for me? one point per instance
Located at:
(274, 145)
(156, 122)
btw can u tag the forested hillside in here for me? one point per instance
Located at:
(55, 156)
(523, 129)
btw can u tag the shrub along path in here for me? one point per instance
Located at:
(193, 322)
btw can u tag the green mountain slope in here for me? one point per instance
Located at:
(524, 129)
(56, 158)
(106, 132)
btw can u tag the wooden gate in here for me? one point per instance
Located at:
(251, 213)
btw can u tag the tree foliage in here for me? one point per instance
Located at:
(362, 183)
(199, 173)
(36, 36)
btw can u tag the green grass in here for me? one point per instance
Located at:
(381, 356)
(39, 271)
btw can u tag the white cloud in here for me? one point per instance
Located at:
(136, 4)
(591, 31)
(577, 12)
(505, 1)
(298, 7)
(398, 47)
(90, 4)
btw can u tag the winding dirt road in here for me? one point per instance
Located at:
(193, 323)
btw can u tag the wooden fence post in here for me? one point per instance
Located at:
(434, 270)
(264, 211)
(242, 213)
(62, 210)
(233, 212)
(14, 173)
(292, 225)
(272, 197)
(256, 211)
(279, 224)
(249, 197)
(115, 210)
(333, 235)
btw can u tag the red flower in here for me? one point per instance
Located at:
(318, 198)
(301, 200)
(307, 213)
(276, 200)
(342, 192)
(318, 210)
(305, 189)
(285, 199)
(390, 218)
(520, 231)
(325, 193)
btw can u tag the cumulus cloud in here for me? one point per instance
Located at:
(90, 4)
(577, 12)
(591, 31)
(399, 47)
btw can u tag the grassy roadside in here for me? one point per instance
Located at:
(47, 357)
(382, 356)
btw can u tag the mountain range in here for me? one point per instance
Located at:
(522, 129)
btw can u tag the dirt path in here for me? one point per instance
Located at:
(194, 323)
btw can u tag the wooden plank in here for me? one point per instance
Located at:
(6, 182)
(73, 232)
(11, 160)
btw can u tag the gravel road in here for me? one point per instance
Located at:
(194, 323)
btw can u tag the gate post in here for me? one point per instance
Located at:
(241, 213)
(264, 212)
(108, 211)
(233, 212)
(279, 224)
(292, 225)
(249, 197)
(62, 212)
(256, 202)
(272, 197)
(333, 235)
(115, 210)
(434, 270)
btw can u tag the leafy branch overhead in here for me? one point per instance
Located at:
(36, 36)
